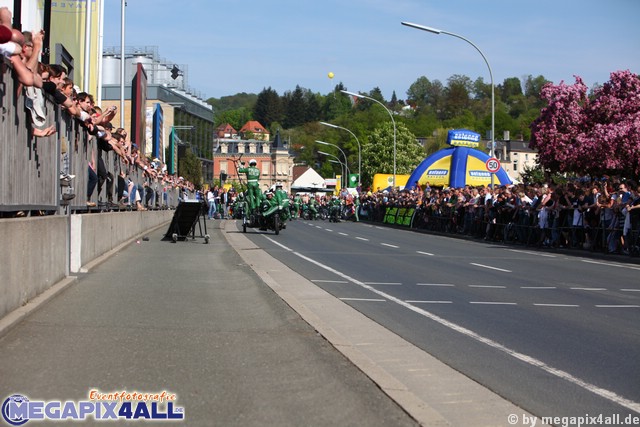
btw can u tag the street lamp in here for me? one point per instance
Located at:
(344, 155)
(357, 95)
(359, 147)
(343, 169)
(493, 103)
(339, 162)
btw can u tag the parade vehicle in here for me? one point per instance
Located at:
(268, 216)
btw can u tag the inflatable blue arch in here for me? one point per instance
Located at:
(456, 167)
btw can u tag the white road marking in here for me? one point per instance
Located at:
(433, 284)
(588, 289)
(487, 286)
(630, 290)
(609, 264)
(329, 281)
(532, 253)
(328, 229)
(389, 245)
(428, 302)
(383, 283)
(424, 253)
(556, 305)
(342, 234)
(493, 303)
(599, 391)
(362, 299)
(618, 306)
(489, 267)
(362, 238)
(538, 287)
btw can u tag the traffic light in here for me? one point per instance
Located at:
(175, 72)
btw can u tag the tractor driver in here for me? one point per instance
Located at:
(253, 187)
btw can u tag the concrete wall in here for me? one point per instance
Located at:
(38, 252)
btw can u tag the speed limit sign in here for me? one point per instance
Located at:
(493, 165)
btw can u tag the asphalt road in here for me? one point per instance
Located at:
(556, 334)
(194, 320)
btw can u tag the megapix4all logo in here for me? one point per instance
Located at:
(17, 409)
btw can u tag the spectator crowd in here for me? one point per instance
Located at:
(37, 81)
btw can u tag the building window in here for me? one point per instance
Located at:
(265, 168)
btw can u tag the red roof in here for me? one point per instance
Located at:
(253, 126)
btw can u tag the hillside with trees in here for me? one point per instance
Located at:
(432, 107)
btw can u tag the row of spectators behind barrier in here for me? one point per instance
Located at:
(593, 215)
(31, 166)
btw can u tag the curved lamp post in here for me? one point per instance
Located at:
(346, 164)
(357, 95)
(343, 168)
(493, 103)
(359, 147)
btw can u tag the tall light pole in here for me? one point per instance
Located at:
(343, 170)
(343, 155)
(339, 162)
(357, 95)
(493, 102)
(359, 148)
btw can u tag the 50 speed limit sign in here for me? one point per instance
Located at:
(493, 165)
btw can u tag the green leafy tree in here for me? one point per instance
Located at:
(268, 107)
(233, 102)
(377, 152)
(457, 95)
(190, 167)
(509, 88)
(236, 118)
(295, 107)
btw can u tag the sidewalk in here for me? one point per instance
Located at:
(221, 325)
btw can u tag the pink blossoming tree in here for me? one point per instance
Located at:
(590, 135)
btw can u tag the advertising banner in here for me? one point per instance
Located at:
(463, 138)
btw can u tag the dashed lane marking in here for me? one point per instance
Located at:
(363, 299)
(424, 253)
(493, 303)
(490, 267)
(435, 284)
(389, 245)
(488, 286)
(555, 305)
(597, 390)
(383, 283)
(329, 281)
(617, 306)
(610, 264)
(362, 238)
(533, 253)
(428, 302)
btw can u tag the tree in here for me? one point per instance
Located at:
(457, 94)
(377, 152)
(294, 108)
(268, 107)
(190, 167)
(590, 136)
(236, 118)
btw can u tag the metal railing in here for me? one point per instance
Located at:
(30, 166)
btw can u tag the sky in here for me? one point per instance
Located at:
(234, 46)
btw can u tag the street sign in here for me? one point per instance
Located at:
(493, 165)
